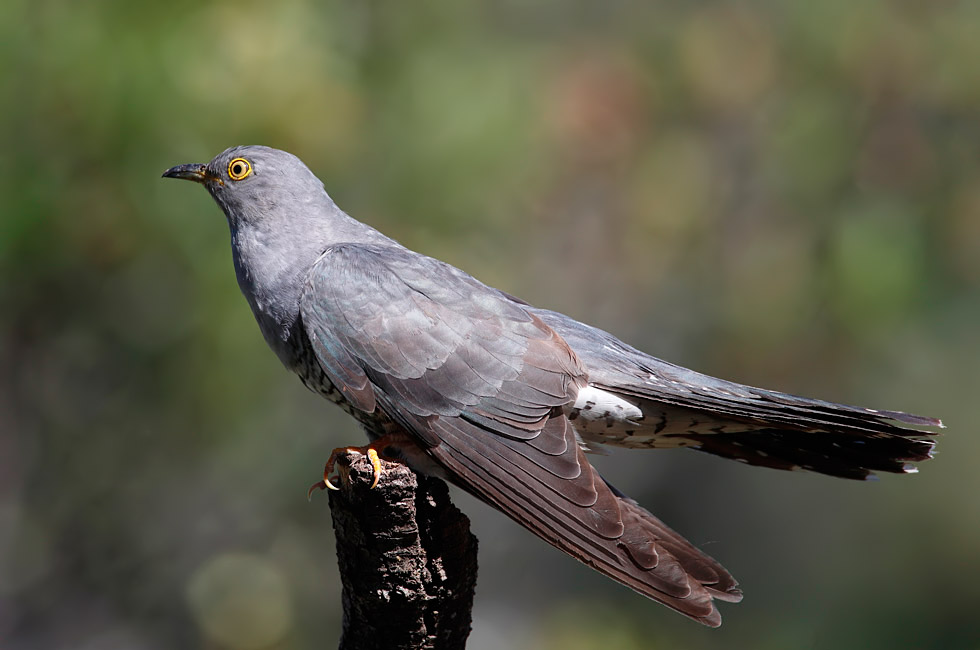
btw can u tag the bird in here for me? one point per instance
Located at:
(504, 399)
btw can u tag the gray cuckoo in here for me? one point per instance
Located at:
(504, 399)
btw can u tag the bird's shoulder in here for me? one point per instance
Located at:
(367, 281)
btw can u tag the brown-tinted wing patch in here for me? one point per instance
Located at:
(584, 516)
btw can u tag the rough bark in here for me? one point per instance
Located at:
(407, 559)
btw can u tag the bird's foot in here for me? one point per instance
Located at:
(371, 451)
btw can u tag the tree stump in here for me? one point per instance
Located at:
(407, 559)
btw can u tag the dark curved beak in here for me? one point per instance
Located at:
(196, 172)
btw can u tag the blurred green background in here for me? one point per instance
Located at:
(782, 193)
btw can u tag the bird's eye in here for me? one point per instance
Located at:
(238, 169)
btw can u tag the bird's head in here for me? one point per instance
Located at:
(254, 182)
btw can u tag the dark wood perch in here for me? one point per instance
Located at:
(407, 559)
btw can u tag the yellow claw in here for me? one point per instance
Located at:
(319, 485)
(372, 455)
(370, 450)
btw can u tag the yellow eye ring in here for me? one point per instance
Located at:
(238, 169)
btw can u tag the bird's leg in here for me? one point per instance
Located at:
(371, 451)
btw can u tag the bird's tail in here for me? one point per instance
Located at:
(782, 431)
(849, 454)
(658, 404)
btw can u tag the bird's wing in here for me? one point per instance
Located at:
(420, 335)
(482, 383)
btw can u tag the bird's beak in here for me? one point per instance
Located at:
(196, 172)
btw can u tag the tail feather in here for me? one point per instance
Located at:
(782, 431)
(772, 429)
(837, 454)
(685, 408)
(789, 432)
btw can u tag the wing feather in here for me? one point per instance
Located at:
(484, 384)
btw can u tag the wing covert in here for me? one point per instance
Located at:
(434, 339)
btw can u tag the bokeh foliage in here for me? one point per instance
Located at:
(783, 193)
